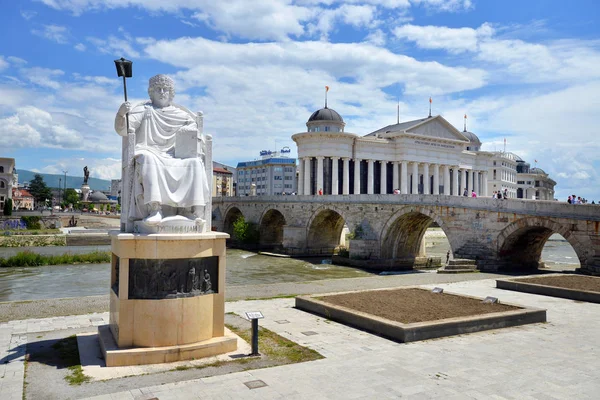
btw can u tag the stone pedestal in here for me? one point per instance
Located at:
(85, 192)
(167, 299)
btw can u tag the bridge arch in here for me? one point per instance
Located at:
(520, 244)
(271, 228)
(324, 230)
(231, 215)
(402, 234)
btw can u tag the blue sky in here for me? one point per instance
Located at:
(527, 71)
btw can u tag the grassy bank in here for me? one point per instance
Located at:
(30, 259)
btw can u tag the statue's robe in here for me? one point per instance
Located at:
(159, 176)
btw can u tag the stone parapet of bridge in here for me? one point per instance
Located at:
(388, 229)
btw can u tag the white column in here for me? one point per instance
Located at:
(463, 181)
(356, 176)
(455, 179)
(415, 178)
(383, 184)
(436, 179)
(485, 184)
(446, 180)
(346, 176)
(471, 174)
(301, 176)
(319, 173)
(334, 175)
(426, 179)
(370, 176)
(404, 178)
(395, 176)
(476, 183)
(307, 185)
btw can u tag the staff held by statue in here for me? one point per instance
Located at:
(124, 69)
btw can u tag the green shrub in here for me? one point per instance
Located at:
(32, 222)
(8, 204)
(30, 259)
(245, 232)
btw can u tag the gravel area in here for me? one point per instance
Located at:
(414, 305)
(576, 282)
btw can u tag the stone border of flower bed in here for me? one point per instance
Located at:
(413, 332)
(519, 285)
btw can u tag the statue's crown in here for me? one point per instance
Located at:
(162, 80)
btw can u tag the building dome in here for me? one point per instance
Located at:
(472, 137)
(537, 171)
(97, 197)
(326, 114)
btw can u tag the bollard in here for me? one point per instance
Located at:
(254, 316)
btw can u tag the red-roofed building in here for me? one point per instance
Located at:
(222, 182)
(22, 199)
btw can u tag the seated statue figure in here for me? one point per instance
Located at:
(169, 177)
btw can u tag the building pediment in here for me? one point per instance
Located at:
(437, 128)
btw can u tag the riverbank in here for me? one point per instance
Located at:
(32, 259)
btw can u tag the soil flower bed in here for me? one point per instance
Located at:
(414, 305)
(411, 314)
(575, 282)
(573, 287)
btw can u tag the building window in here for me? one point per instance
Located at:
(1, 169)
(288, 178)
(1, 185)
(326, 129)
(278, 169)
(277, 177)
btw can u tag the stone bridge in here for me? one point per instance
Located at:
(388, 230)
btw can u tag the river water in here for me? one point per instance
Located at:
(243, 268)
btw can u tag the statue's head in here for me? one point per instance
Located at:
(161, 90)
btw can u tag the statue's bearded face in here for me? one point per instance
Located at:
(161, 95)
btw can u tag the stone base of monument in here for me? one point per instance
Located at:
(172, 224)
(167, 299)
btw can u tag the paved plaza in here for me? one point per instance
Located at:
(554, 360)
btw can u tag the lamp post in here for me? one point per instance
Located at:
(59, 188)
(65, 183)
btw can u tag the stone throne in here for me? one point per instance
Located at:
(167, 288)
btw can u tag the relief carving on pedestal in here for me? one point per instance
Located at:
(171, 279)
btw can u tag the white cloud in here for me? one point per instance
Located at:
(56, 33)
(26, 14)
(374, 67)
(16, 60)
(454, 40)
(80, 47)
(114, 45)
(353, 15)
(376, 38)
(42, 76)
(445, 5)
(3, 63)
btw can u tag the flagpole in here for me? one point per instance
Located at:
(326, 90)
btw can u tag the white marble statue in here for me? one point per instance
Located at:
(169, 180)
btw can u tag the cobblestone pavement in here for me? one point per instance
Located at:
(555, 360)
(18, 310)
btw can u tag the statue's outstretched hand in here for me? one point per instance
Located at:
(124, 109)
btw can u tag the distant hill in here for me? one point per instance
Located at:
(75, 182)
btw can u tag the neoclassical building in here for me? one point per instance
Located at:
(424, 156)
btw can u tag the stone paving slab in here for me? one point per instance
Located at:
(555, 360)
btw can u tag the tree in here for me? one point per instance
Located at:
(245, 232)
(8, 207)
(39, 190)
(71, 197)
